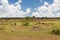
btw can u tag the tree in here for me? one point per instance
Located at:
(33, 17)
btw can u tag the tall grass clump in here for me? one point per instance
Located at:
(56, 31)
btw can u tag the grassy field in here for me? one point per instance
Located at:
(29, 29)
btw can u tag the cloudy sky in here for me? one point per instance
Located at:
(23, 8)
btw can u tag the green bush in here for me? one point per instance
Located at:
(56, 32)
(28, 18)
(25, 24)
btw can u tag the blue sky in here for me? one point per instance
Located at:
(30, 3)
(23, 8)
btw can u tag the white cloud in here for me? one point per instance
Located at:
(28, 10)
(47, 10)
(46, 4)
(13, 10)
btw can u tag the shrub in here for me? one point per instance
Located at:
(25, 24)
(2, 29)
(56, 31)
(28, 18)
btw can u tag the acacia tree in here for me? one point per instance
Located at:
(33, 17)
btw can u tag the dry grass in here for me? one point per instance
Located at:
(38, 29)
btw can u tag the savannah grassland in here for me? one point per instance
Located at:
(29, 29)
